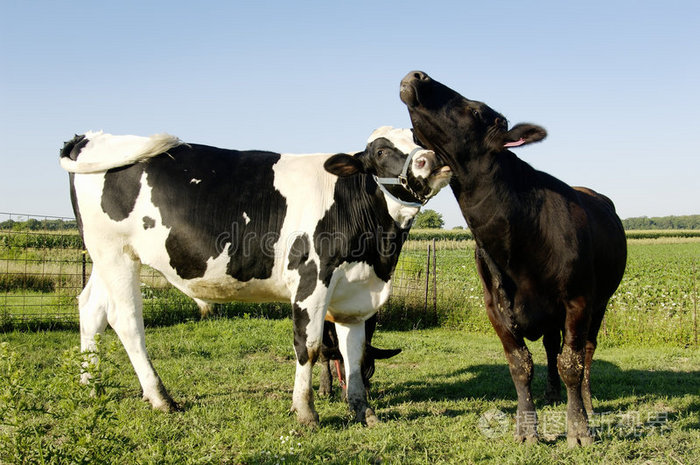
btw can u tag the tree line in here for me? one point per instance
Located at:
(33, 224)
(663, 222)
(428, 219)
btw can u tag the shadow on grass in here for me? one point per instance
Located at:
(613, 388)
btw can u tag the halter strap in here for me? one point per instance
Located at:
(401, 180)
(396, 199)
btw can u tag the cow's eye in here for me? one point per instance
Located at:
(380, 152)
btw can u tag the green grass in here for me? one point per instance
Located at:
(234, 379)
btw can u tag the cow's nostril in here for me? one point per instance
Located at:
(420, 163)
(420, 75)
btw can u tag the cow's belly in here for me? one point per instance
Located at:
(228, 290)
(217, 286)
(358, 293)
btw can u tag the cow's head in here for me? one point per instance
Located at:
(407, 171)
(457, 128)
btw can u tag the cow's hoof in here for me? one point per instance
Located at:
(526, 439)
(324, 391)
(166, 405)
(308, 418)
(576, 441)
(310, 422)
(370, 418)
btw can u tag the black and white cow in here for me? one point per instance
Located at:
(318, 230)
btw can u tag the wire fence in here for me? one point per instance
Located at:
(44, 267)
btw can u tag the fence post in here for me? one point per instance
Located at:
(84, 253)
(435, 316)
(427, 283)
(695, 303)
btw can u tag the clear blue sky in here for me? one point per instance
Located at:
(616, 83)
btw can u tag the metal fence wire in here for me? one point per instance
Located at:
(414, 285)
(44, 267)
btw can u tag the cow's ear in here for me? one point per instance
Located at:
(343, 165)
(523, 134)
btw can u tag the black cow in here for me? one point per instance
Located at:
(549, 256)
(330, 351)
(321, 231)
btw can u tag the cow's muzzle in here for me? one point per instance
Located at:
(408, 92)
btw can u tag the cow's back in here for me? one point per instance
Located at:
(191, 211)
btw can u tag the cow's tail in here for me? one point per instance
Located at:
(95, 152)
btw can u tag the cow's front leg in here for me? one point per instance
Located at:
(308, 327)
(521, 371)
(351, 341)
(329, 351)
(325, 384)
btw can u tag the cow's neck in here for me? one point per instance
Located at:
(486, 199)
(365, 229)
(401, 213)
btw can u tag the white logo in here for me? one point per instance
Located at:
(493, 424)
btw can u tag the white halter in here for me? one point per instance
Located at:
(401, 180)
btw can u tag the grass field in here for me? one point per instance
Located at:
(234, 380)
(448, 398)
(655, 303)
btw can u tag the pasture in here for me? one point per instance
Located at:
(440, 401)
(447, 398)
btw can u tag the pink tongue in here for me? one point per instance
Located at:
(515, 144)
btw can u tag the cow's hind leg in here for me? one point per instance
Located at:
(552, 345)
(586, 381)
(351, 340)
(571, 368)
(93, 303)
(591, 344)
(125, 316)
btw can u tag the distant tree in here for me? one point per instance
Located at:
(8, 224)
(429, 219)
(663, 222)
(33, 224)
